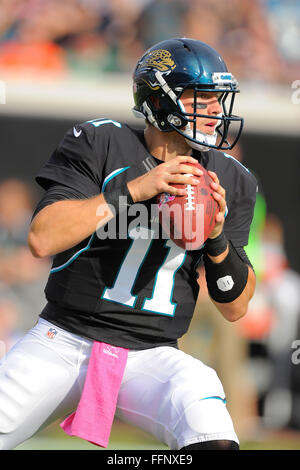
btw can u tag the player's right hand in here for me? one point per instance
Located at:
(160, 179)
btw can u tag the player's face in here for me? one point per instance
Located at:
(207, 103)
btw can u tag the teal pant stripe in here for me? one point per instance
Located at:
(216, 398)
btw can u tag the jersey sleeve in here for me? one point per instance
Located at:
(56, 193)
(76, 163)
(240, 213)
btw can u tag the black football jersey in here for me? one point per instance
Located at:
(133, 288)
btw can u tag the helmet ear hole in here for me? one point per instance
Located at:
(187, 47)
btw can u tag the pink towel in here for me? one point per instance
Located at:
(95, 412)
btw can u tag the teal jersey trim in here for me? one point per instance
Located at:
(230, 156)
(113, 175)
(75, 256)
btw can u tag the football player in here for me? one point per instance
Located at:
(133, 289)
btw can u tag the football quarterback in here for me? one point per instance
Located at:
(117, 285)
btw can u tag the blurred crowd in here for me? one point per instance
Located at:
(258, 38)
(22, 277)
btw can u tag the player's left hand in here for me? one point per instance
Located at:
(219, 195)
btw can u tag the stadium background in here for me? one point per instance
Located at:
(66, 62)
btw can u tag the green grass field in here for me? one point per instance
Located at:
(125, 437)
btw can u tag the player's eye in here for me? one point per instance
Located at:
(201, 106)
(203, 96)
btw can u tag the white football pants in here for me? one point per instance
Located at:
(164, 391)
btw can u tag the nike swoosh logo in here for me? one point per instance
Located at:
(76, 132)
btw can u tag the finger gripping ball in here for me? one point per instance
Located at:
(189, 220)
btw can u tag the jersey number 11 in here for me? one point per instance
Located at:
(161, 299)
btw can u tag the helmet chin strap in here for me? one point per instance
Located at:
(201, 137)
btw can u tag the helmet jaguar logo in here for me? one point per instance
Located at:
(160, 60)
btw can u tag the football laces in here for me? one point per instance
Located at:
(190, 197)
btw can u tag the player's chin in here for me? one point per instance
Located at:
(210, 130)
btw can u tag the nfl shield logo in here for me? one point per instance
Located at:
(164, 198)
(51, 333)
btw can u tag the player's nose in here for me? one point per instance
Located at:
(214, 107)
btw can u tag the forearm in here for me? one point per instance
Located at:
(66, 223)
(230, 279)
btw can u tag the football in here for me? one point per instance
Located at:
(189, 220)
